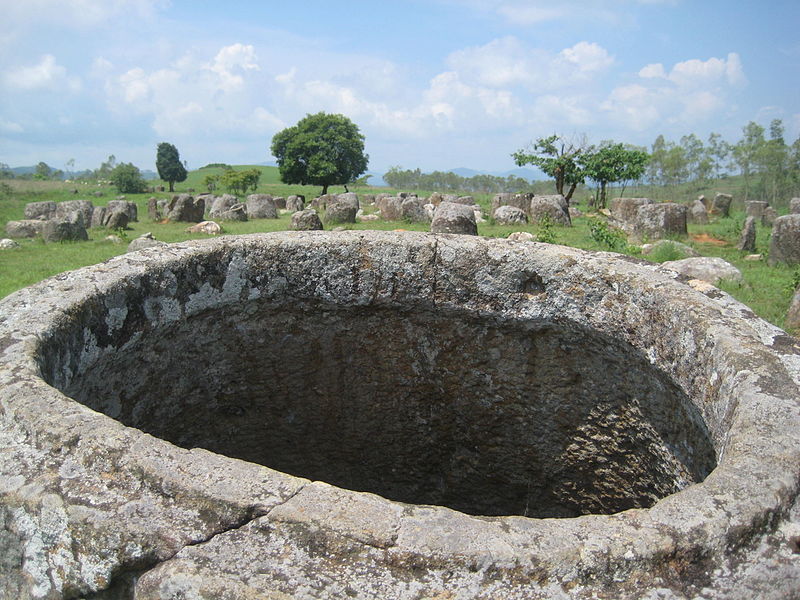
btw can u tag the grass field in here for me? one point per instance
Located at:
(767, 290)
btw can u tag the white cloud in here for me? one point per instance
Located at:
(10, 127)
(78, 13)
(47, 74)
(508, 62)
(653, 71)
(231, 62)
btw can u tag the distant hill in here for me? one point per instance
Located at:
(529, 174)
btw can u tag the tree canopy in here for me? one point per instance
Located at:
(557, 158)
(127, 178)
(168, 163)
(321, 149)
(610, 163)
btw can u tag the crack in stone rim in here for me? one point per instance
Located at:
(760, 487)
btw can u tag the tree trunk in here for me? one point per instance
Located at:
(602, 194)
(171, 184)
(324, 189)
(571, 191)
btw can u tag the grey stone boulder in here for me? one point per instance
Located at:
(262, 206)
(412, 210)
(553, 206)
(676, 247)
(521, 236)
(183, 208)
(207, 227)
(721, 205)
(435, 198)
(784, 246)
(510, 215)
(747, 239)
(236, 212)
(126, 206)
(116, 219)
(146, 240)
(465, 200)
(768, 216)
(710, 269)
(306, 220)
(7, 244)
(40, 210)
(794, 206)
(66, 210)
(295, 203)
(341, 208)
(221, 204)
(657, 221)
(521, 201)
(625, 210)
(391, 208)
(755, 208)
(793, 314)
(26, 228)
(153, 210)
(70, 229)
(697, 214)
(451, 217)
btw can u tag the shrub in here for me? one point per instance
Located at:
(127, 179)
(608, 237)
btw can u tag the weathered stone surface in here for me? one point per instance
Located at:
(40, 210)
(69, 229)
(510, 215)
(677, 247)
(768, 217)
(222, 204)
(184, 208)
(465, 200)
(153, 210)
(99, 216)
(747, 239)
(413, 210)
(390, 207)
(755, 208)
(521, 236)
(262, 206)
(721, 205)
(784, 245)
(341, 208)
(697, 213)
(295, 203)
(66, 210)
(585, 384)
(657, 221)
(794, 206)
(554, 206)
(521, 201)
(146, 240)
(793, 314)
(306, 220)
(435, 198)
(116, 219)
(7, 244)
(113, 239)
(450, 217)
(235, 212)
(27, 228)
(207, 227)
(126, 206)
(710, 269)
(626, 209)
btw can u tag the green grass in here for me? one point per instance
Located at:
(766, 290)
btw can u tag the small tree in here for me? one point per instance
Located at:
(43, 171)
(168, 163)
(127, 179)
(557, 158)
(238, 182)
(611, 163)
(321, 149)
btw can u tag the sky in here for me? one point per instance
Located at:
(435, 84)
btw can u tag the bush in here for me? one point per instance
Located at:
(127, 179)
(608, 237)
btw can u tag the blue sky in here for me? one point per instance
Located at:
(436, 85)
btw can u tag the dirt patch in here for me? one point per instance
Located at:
(704, 238)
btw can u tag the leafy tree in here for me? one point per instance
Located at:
(746, 152)
(611, 163)
(169, 166)
(557, 158)
(6, 172)
(717, 152)
(43, 171)
(210, 182)
(104, 172)
(321, 149)
(127, 179)
(238, 182)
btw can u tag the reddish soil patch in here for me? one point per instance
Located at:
(704, 238)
